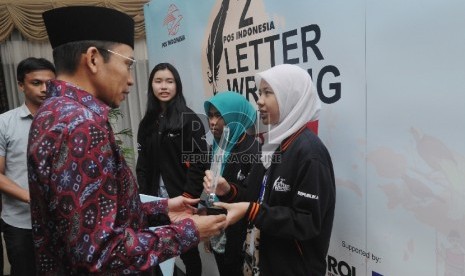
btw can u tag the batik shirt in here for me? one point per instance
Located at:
(86, 213)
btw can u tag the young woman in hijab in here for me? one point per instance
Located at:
(290, 197)
(173, 152)
(234, 111)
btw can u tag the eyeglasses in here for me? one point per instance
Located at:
(130, 64)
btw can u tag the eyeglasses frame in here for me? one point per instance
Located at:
(133, 61)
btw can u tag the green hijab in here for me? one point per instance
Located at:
(238, 114)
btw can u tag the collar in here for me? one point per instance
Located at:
(58, 88)
(24, 112)
(288, 141)
(242, 138)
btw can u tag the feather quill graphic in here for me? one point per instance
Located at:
(215, 45)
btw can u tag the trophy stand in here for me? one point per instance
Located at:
(217, 164)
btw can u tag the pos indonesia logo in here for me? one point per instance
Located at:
(172, 20)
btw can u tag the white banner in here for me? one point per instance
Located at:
(391, 77)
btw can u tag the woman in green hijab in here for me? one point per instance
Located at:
(241, 151)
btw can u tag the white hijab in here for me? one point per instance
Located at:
(297, 100)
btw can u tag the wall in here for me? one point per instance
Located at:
(391, 78)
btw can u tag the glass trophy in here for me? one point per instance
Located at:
(217, 164)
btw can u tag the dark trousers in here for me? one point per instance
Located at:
(229, 265)
(192, 262)
(20, 250)
(231, 262)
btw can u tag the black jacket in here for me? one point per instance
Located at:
(296, 217)
(180, 156)
(244, 154)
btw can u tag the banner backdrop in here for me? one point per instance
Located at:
(391, 77)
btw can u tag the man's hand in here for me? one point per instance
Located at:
(222, 187)
(236, 211)
(181, 207)
(209, 226)
(11, 188)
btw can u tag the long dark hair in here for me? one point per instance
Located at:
(174, 109)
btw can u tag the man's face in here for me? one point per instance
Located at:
(34, 86)
(115, 76)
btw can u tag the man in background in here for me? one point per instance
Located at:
(32, 74)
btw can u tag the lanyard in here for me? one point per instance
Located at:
(263, 187)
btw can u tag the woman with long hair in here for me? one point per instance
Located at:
(172, 147)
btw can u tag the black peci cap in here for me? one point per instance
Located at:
(77, 23)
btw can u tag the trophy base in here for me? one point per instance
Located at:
(205, 209)
(216, 211)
